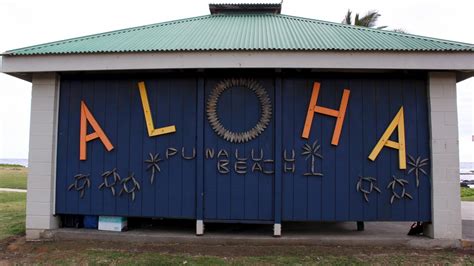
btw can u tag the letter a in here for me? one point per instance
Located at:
(152, 131)
(87, 117)
(339, 114)
(398, 121)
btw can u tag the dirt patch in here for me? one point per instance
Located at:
(17, 250)
(6, 242)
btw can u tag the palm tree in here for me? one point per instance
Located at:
(312, 151)
(369, 20)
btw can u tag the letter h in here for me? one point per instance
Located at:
(314, 108)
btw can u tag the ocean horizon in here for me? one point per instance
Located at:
(23, 162)
(466, 166)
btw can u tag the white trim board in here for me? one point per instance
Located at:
(454, 61)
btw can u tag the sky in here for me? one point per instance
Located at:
(29, 22)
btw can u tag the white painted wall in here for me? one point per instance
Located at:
(446, 203)
(42, 155)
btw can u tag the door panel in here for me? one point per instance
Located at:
(116, 105)
(247, 195)
(333, 195)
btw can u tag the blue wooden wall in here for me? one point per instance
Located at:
(235, 196)
(117, 107)
(373, 103)
(194, 188)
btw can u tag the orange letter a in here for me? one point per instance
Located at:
(339, 114)
(86, 116)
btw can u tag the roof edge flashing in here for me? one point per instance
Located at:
(245, 8)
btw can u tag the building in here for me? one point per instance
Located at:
(245, 115)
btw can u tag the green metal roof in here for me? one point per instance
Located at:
(244, 32)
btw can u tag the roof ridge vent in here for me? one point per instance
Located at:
(245, 8)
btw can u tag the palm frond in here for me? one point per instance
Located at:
(348, 18)
(369, 20)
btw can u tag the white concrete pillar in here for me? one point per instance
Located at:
(277, 230)
(40, 204)
(199, 227)
(445, 198)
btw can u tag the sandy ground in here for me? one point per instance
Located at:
(12, 190)
(467, 210)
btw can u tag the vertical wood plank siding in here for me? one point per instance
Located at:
(194, 188)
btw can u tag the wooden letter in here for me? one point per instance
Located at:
(87, 117)
(314, 108)
(398, 121)
(152, 131)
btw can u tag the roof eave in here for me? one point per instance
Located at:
(463, 75)
(459, 62)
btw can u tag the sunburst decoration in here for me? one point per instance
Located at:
(265, 110)
(135, 186)
(81, 183)
(153, 165)
(393, 185)
(312, 151)
(115, 179)
(372, 186)
(417, 167)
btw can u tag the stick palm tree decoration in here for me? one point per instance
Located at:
(416, 165)
(312, 151)
(153, 164)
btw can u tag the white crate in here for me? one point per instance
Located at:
(111, 223)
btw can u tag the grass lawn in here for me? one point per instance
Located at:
(12, 214)
(467, 194)
(308, 257)
(13, 176)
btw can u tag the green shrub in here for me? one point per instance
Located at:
(467, 194)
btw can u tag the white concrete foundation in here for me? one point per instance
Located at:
(446, 202)
(199, 227)
(42, 156)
